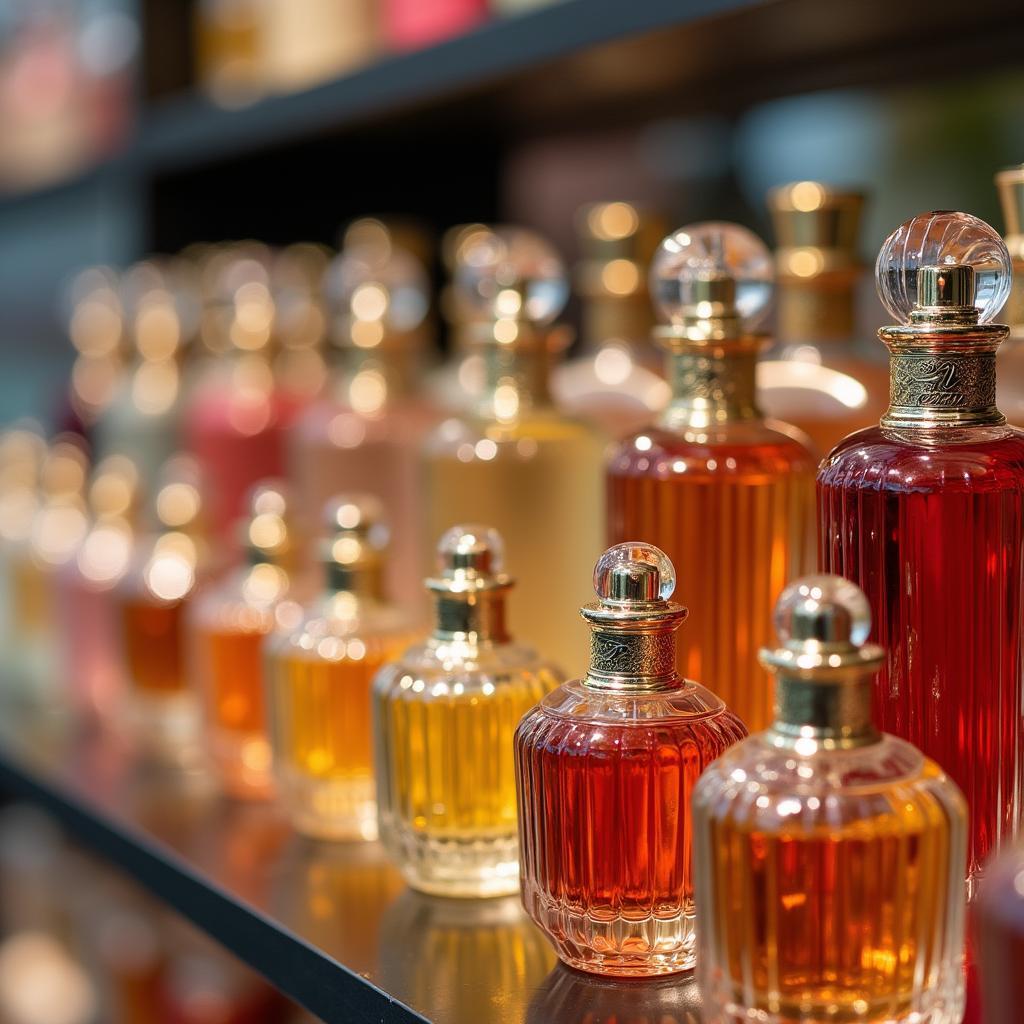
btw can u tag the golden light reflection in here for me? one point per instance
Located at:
(811, 376)
(157, 327)
(155, 386)
(368, 392)
(57, 531)
(612, 221)
(620, 277)
(369, 302)
(177, 504)
(104, 556)
(807, 196)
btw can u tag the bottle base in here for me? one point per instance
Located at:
(336, 809)
(617, 947)
(861, 1011)
(463, 867)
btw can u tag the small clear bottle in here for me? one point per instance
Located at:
(320, 674)
(605, 766)
(227, 627)
(830, 857)
(445, 713)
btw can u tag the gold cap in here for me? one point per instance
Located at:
(633, 622)
(266, 532)
(816, 228)
(617, 240)
(355, 541)
(1010, 185)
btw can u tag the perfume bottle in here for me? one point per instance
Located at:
(616, 381)
(518, 462)
(728, 496)
(320, 674)
(816, 375)
(604, 767)
(1010, 356)
(227, 626)
(365, 433)
(926, 513)
(829, 856)
(998, 934)
(444, 714)
(161, 712)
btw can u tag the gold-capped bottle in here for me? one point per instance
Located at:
(817, 374)
(518, 464)
(604, 767)
(1010, 356)
(227, 626)
(727, 495)
(829, 857)
(319, 678)
(445, 713)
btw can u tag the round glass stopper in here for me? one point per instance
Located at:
(508, 273)
(940, 239)
(825, 608)
(471, 548)
(634, 571)
(712, 269)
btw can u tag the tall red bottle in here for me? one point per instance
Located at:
(926, 514)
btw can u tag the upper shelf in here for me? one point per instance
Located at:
(329, 924)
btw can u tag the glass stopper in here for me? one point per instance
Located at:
(508, 273)
(471, 550)
(712, 270)
(634, 572)
(933, 244)
(824, 608)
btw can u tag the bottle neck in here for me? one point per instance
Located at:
(633, 651)
(361, 581)
(515, 380)
(834, 715)
(383, 373)
(815, 311)
(477, 617)
(710, 386)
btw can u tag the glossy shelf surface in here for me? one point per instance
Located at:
(331, 925)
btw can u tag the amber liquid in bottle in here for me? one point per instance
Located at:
(153, 645)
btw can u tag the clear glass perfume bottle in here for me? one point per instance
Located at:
(605, 767)
(998, 934)
(227, 626)
(727, 495)
(616, 380)
(817, 375)
(161, 710)
(926, 514)
(444, 715)
(365, 433)
(518, 462)
(320, 674)
(1010, 356)
(829, 857)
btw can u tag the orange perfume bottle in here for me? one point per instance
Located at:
(319, 678)
(228, 624)
(605, 767)
(829, 856)
(444, 717)
(517, 462)
(364, 434)
(726, 494)
(817, 374)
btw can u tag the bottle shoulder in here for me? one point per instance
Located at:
(524, 437)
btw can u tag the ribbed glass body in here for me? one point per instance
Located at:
(445, 715)
(830, 885)
(536, 478)
(319, 678)
(606, 838)
(929, 524)
(732, 506)
(999, 938)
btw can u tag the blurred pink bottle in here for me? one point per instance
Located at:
(410, 24)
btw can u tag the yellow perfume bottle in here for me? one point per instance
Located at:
(444, 717)
(319, 677)
(227, 626)
(518, 464)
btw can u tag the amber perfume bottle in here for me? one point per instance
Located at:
(1010, 356)
(926, 513)
(998, 933)
(518, 464)
(161, 711)
(365, 433)
(444, 716)
(605, 767)
(616, 380)
(227, 627)
(829, 856)
(817, 375)
(319, 679)
(728, 496)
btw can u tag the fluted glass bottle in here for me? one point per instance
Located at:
(319, 678)
(365, 433)
(829, 857)
(444, 716)
(816, 374)
(727, 495)
(605, 767)
(519, 462)
(926, 514)
(227, 626)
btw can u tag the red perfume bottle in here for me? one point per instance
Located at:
(926, 514)
(605, 766)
